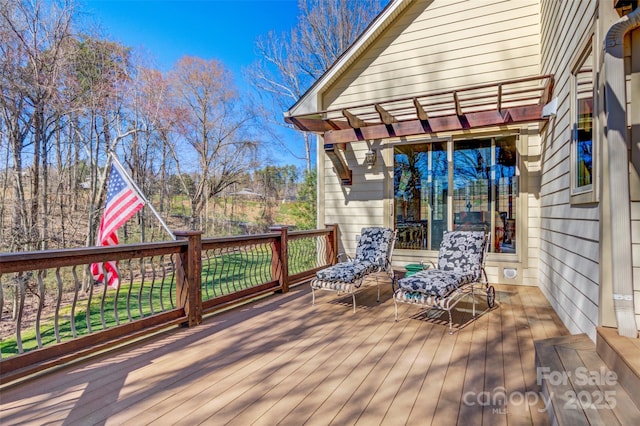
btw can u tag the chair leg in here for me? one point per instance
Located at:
(313, 296)
(473, 296)
(378, 286)
(353, 295)
(450, 322)
(395, 302)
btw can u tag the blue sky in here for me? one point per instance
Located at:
(222, 29)
(166, 30)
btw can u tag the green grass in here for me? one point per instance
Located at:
(221, 275)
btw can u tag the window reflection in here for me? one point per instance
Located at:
(485, 188)
(583, 134)
(420, 187)
(472, 189)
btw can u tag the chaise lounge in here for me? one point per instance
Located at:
(373, 255)
(458, 273)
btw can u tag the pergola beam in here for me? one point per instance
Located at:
(438, 124)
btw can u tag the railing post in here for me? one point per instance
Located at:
(332, 244)
(189, 277)
(280, 259)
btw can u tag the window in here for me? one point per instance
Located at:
(582, 147)
(479, 188)
(421, 181)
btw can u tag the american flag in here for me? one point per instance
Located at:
(122, 203)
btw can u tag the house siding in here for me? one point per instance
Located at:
(432, 47)
(632, 55)
(569, 234)
(441, 45)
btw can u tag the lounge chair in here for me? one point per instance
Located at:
(373, 255)
(458, 273)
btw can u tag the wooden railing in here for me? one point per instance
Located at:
(52, 311)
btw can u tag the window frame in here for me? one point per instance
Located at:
(585, 194)
(520, 254)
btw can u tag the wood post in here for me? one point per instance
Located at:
(332, 244)
(280, 259)
(189, 277)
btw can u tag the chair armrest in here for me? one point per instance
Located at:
(343, 257)
(426, 264)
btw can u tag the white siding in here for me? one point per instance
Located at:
(356, 206)
(432, 46)
(441, 45)
(569, 236)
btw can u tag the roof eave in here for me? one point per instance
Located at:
(381, 22)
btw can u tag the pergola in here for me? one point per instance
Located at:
(488, 105)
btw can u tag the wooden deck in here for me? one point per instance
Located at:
(282, 361)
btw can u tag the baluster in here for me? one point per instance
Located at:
(89, 299)
(153, 287)
(142, 281)
(206, 277)
(103, 298)
(56, 319)
(76, 291)
(129, 291)
(40, 296)
(172, 283)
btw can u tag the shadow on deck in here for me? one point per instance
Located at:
(280, 359)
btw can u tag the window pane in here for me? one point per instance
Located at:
(420, 192)
(472, 191)
(584, 124)
(506, 190)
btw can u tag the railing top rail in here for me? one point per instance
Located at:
(239, 240)
(312, 232)
(44, 259)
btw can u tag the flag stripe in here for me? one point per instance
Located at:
(118, 214)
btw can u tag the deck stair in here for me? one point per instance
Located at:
(587, 383)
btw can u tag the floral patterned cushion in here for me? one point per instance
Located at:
(434, 282)
(346, 271)
(462, 252)
(459, 262)
(374, 245)
(372, 253)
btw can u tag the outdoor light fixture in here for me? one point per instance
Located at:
(370, 158)
(624, 7)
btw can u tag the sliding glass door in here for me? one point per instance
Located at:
(476, 190)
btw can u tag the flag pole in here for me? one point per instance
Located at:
(141, 194)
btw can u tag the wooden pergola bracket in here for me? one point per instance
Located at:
(385, 116)
(420, 112)
(335, 152)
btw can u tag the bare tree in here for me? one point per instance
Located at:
(101, 78)
(33, 39)
(213, 127)
(291, 62)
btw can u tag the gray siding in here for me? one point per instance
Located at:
(569, 235)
